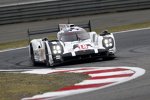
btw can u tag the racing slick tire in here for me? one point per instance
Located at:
(109, 57)
(34, 63)
(47, 58)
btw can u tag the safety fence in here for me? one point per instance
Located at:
(24, 12)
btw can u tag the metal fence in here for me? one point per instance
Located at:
(67, 8)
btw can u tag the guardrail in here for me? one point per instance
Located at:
(68, 8)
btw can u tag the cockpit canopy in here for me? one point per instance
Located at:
(74, 35)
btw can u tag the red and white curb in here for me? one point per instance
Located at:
(100, 77)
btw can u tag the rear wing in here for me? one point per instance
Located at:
(52, 30)
(65, 26)
(44, 31)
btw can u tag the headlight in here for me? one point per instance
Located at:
(57, 49)
(108, 42)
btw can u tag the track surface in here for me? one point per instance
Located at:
(133, 50)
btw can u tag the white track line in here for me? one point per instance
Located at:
(132, 30)
(7, 50)
(98, 81)
(111, 73)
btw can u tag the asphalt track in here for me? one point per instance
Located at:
(133, 50)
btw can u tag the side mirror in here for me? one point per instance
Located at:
(104, 33)
(45, 39)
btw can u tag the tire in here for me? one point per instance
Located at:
(109, 57)
(47, 57)
(34, 63)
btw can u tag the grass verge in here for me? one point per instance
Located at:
(14, 44)
(129, 27)
(19, 43)
(14, 86)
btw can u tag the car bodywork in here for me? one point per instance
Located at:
(73, 42)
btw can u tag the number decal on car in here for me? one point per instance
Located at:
(83, 47)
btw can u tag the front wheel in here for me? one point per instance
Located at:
(109, 57)
(32, 56)
(47, 62)
(47, 57)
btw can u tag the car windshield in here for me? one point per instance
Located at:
(75, 36)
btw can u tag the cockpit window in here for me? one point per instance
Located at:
(74, 36)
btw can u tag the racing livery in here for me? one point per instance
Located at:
(73, 42)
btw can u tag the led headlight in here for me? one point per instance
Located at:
(107, 45)
(108, 42)
(57, 49)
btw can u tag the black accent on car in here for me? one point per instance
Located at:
(104, 33)
(85, 54)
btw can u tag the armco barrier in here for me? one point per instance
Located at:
(57, 9)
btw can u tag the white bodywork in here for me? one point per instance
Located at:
(52, 52)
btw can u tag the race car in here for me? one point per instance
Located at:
(72, 43)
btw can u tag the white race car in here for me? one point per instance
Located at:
(73, 43)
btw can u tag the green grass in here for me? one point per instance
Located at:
(14, 86)
(129, 27)
(125, 27)
(14, 44)
(21, 43)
